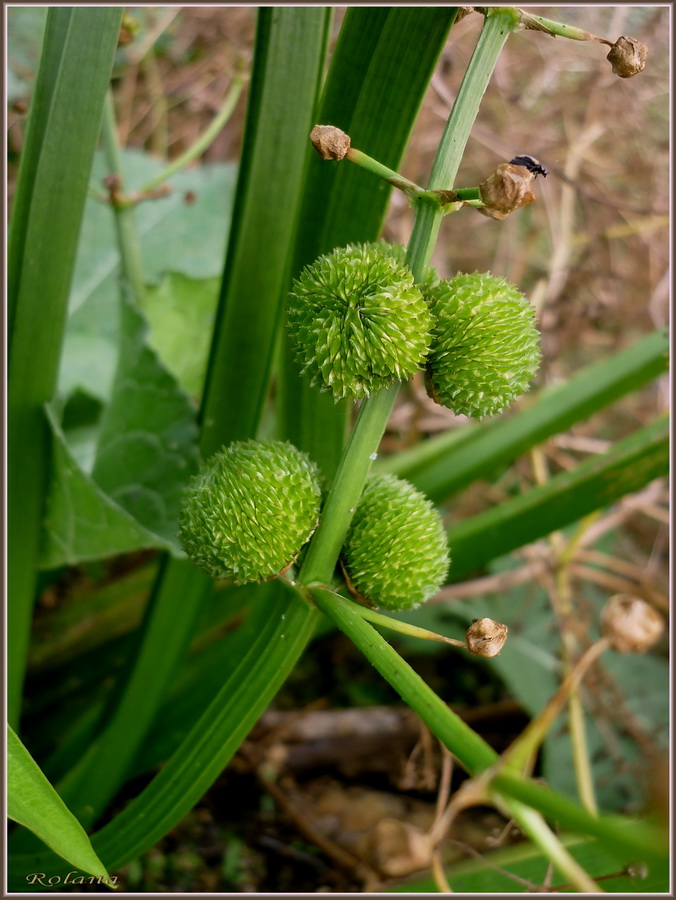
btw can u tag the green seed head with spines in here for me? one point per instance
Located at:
(395, 554)
(245, 516)
(358, 321)
(485, 346)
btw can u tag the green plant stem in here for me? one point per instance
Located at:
(204, 140)
(127, 239)
(558, 29)
(469, 195)
(375, 411)
(533, 825)
(361, 450)
(640, 839)
(498, 24)
(472, 751)
(376, 618)
(394, 178)
(581, 761)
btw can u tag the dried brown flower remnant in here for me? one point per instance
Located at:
(630, 624)
(486, 637)
(627, 57)
(506, 189)
(330, 142)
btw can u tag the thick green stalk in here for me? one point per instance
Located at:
(375, 411)
(640, 839)
(498, 24)
(361, 450)
(472, 751)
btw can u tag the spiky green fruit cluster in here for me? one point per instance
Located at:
(358, 321)
(396, 554)
(485, 345)
(247, 513)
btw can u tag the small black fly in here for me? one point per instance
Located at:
(530, 163)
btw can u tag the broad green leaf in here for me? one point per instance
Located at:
(181, 314)
(594, 484)
(81, 521)
(448, 463)
(174, 236)
(147, 447)
(33, 802)
(62, 132)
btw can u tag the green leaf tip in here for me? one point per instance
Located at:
(358, 320)
(395, 555)
(246, 515)
(485, 344)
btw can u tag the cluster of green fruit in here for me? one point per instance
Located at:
(359, 323)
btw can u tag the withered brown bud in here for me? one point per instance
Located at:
(330, 142)
(485, 637)
(113, 182)
(631, 624)
(462, 12)
(627, 57)
(506, 189)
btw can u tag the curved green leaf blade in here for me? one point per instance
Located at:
(33, 802)
(63, 128)
(594, 484)
(281, 625)
(289, 54)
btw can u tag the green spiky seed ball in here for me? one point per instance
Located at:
(245, 516)
(395, 554)
(358, 321)
(485, 346)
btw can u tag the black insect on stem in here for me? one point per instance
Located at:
(530, 163)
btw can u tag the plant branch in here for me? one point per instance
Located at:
(125, 227)
(204, 140)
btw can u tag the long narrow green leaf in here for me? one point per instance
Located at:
(289, 53)
(165, 635)
(594, 484)
(288, 64)
(33, 802)
(282, 625)
(447, 464)
(175, 796)
(380, 68)
(41, 102)
(79, 48)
